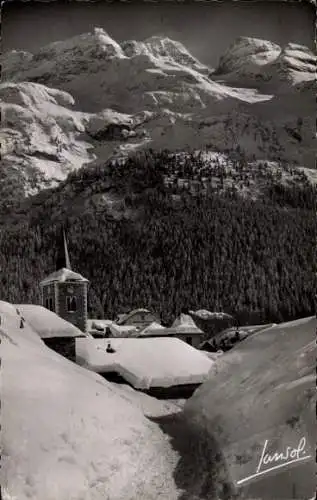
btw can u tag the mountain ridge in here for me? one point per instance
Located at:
(115, 99)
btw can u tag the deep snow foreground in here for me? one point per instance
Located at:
(262, 391)
(70, 435)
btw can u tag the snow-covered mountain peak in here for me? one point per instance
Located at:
(246, 50)
(153, 93)
(163, 50)
(267, 66)
(174, 51)
(92, 44)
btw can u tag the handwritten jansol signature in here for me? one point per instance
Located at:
(278, 460)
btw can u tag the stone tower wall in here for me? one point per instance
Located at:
(48, 292)
(79, 291)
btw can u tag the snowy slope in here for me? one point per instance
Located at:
(41, 134)
(68, 434)
(117, 98)
(261, 390)
(164, 49)
(100, 73)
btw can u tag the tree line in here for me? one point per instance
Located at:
(253, 259)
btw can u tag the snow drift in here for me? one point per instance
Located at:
(262, 391)
(70, 435)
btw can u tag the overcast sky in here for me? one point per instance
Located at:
(205, 29)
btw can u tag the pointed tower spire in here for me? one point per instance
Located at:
(63, 259)
(67, 259)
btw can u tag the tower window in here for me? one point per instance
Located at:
(189, 340)
(71, 304)
(49, 303)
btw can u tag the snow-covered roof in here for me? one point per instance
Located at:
(46, 323)
(146, 363)
(123, 330)
(154, 326)
(71, 434)
(170, 332)
(63, 275)
(184, 320)
(7, 308)
(185, 329)
(124, 317)
(98, 323)
(183, 325)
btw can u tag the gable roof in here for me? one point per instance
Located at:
(123, 330)
(125, 317)
(184, 320)
(154, 326)
(63, 275)
(184, 324)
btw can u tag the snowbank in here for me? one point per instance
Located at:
(213, 355)
(70, 435)
(46, 323)
(146, 363)
(260, 394)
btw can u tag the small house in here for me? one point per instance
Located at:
(186, 329)
(183, 328)
(139, 318)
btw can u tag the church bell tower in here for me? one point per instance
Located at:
(65, 291)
